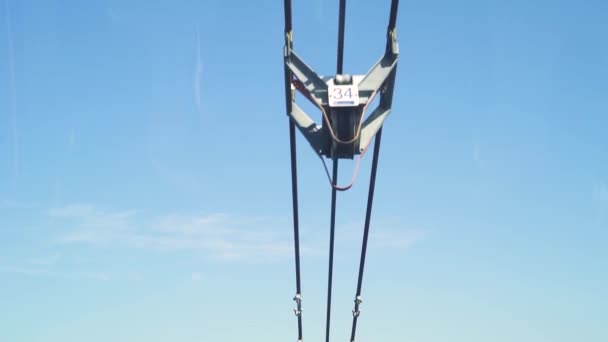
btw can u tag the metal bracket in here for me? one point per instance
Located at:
(344, 132)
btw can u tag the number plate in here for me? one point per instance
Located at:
(343, 95)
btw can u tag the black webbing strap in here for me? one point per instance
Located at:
(339, 69)
(370, 197)
(294, 174)
(368, 213)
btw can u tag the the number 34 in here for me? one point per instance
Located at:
(338, 94)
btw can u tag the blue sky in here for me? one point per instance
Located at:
(145, 187)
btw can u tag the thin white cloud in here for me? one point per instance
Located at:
(27, 270)
(134, 276)
(196, 276)
(45, 261)
(388, 233)
(13, 89)
(319, 10)
(599, 193)
(34, 266)
(113, 15)
(16, 204)
(477, 154)
(219, 236)
(198, 73)
(103, 276)
(91, 214)
(478, 157)
(48, 266)
(397, 239)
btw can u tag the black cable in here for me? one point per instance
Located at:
(372, 184)
(296, 230)
(392, 22)
(368, 213)
(294, 172)
(341, 18)
(287, 7)
(331, 247)
(339, 68)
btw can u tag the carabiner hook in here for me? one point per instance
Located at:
(298, 300)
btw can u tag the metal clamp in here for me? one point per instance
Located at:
(356, 311)
(298, 300)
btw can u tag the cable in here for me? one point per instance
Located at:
(294, 174)
(392, 22)
(342, 17)
(340, 64)
(331, 249)
(372, 185)
(287, 7)
(296, 233)
(368, 213)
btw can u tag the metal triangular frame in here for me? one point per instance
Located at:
(379, 80)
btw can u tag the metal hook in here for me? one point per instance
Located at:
(298, 300)
(356, 311)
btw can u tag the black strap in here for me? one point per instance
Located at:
(331, 248)
(392, 21)
(341, 18)
(296, 232)
(339, 69)
(372, 183)
(368, 213)
(287, 7)
(294, 173)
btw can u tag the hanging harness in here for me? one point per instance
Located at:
(343, 100)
